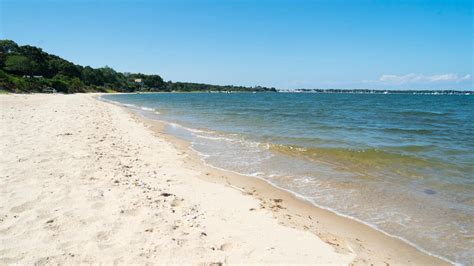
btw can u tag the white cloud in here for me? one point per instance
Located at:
(466, 77)
(420, 78)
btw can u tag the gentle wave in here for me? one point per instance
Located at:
(421, 113)
(132, 106)
(409, 131)
(364, 160)
(411, 148)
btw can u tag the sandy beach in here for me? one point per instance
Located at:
(86, 181)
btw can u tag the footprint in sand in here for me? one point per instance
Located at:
(130, 212)
(22, 207)
(176, 202)
(226, 247)
(103, 235)
(97, 205)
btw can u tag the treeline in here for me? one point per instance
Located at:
(377, 91)
(29, 69)
(189, 87)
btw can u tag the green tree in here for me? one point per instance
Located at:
(60, 83)
(6, 47)
(20, 65)
(90, 76)
(75, 85)
(153, 81)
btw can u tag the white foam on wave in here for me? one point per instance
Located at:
(214, 138)
(131, 106)
(149, 109)
(193, 130)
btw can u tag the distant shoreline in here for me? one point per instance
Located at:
(379, 91)
(296, 91)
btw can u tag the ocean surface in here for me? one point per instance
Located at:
(403, 164)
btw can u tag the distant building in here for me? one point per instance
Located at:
(49, 90)
(140, 83)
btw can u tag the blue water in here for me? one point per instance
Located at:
(401, 163)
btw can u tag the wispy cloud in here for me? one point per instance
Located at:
(421, 78)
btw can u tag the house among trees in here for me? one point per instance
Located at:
(32, 76)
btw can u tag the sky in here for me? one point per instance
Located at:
(284, 44)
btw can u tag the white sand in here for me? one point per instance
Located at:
(83, 182)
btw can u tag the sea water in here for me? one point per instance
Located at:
(400, 163)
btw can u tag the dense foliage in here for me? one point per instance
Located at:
(30, 69)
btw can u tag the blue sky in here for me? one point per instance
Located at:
(286, 44)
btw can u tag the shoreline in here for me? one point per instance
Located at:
(87, 181)
(367, 238)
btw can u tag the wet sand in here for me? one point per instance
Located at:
(85, 181)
